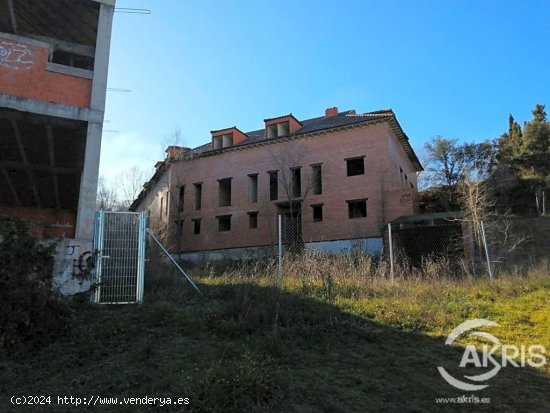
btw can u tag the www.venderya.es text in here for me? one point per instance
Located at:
(95, 400)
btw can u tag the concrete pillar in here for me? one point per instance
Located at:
(88, 184)
(90, 172)
(102, 49)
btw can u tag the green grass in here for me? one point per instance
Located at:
(312, 344)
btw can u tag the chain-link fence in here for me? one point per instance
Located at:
(395, 250)
(449, 248)
(430, 245)
(352, 236)
(518, 244)
(453, 248)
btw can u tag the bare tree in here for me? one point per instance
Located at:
(177, 190)
(107, 197)
(174, 138)
(289, 161)
(129, 184)
(478, 206)
(498, 231)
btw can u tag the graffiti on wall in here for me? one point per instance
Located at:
(15, 56)
(405, 199)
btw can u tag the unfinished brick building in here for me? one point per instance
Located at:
(339, 176)
(54, 58)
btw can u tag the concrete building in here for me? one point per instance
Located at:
(54, 57)
(334, 179)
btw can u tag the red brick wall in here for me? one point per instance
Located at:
(45, 223)
(399, 159)
(23, 73)
(400, 202)
(385, 197)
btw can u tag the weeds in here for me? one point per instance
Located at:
(334, 334)
(29, 314)
(425, 299)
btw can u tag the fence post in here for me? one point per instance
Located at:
(280, 242)
(391, 251)
(486, 250)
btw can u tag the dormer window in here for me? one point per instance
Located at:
(281, 126)
(217, 142)
(278, 129)
(272, 131)
(225, 138)
(223, 141)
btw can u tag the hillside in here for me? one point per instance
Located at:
(312, 346)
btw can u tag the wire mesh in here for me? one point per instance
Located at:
(518, 244)
(437, 249)
(429, 247)
(331, 237)
(120, 243)
(457, 248)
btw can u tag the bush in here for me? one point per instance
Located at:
(29, 314)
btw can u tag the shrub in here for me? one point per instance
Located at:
(29, 314)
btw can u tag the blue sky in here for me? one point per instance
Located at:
(451, 68)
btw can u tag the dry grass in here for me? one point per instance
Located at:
(425, 299)
(335, 334)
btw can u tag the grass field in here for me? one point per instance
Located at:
(304, 344)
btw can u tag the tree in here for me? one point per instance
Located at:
(523, 169)
(107, 197)
(539, 114)
(288, 160)
(129, 184)
(173, 139)
(178, 189)
(509, 147)
(118, 194)
(478, 206)
(510, 144)
(534, 156)
(448, 162)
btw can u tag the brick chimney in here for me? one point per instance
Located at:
(174, 151)
(329, 112)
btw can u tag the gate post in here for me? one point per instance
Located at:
(98, 247)
(486, 251)
(141, 256)
(390, 242)
(279, 221)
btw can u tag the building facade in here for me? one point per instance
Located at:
(333, 178)
(54, 58)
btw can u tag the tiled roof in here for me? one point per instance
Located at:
(290, 115)
(226, 129)
(322, 123)
(309, 125)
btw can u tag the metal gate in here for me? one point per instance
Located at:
(119, 246)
